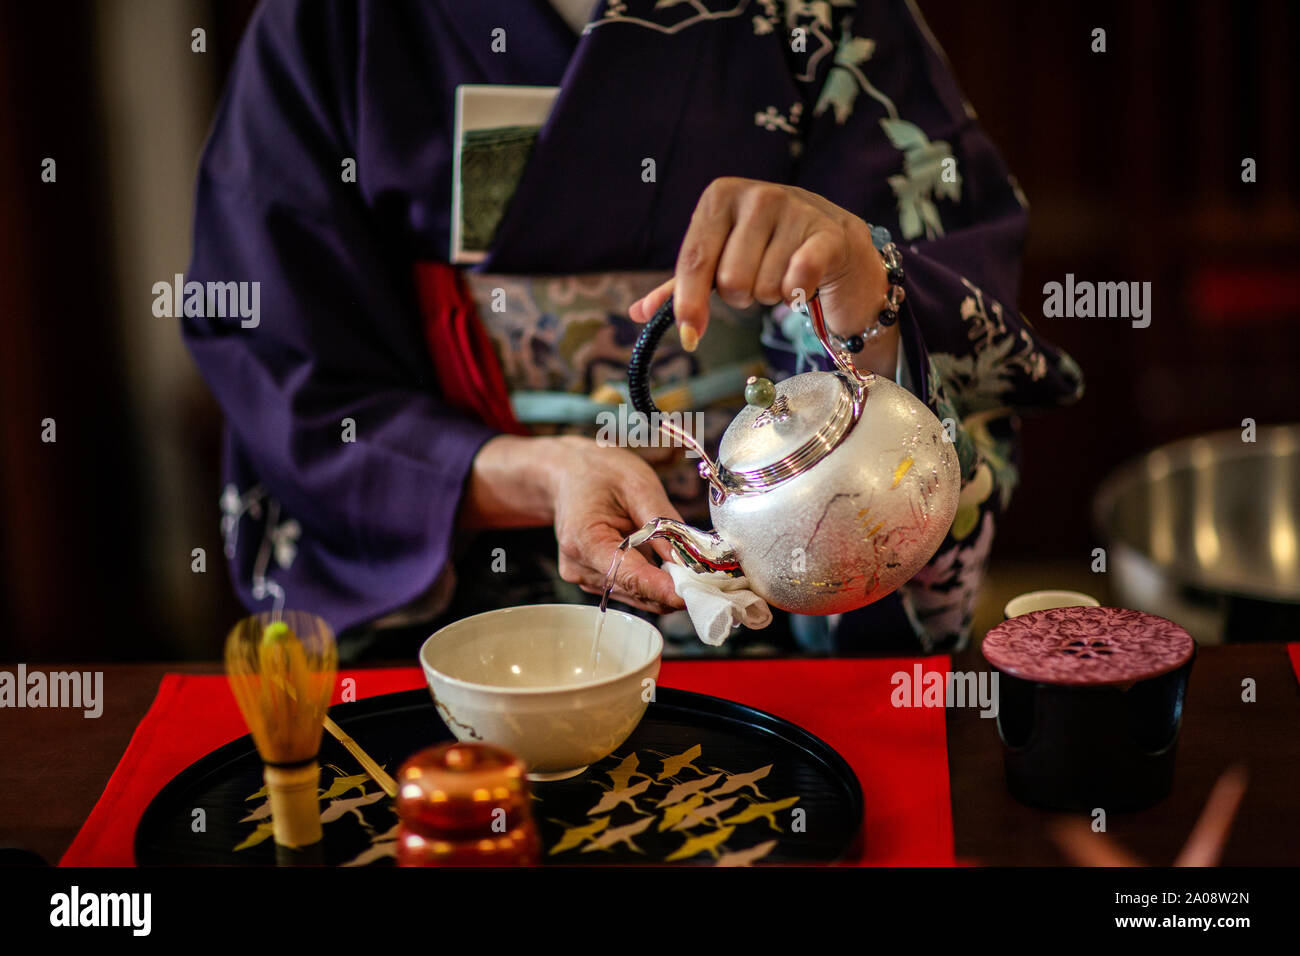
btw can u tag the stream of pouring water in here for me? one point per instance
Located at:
(635, 539)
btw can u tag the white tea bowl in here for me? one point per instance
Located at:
(522, 678)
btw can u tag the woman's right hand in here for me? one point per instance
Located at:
(593, 495)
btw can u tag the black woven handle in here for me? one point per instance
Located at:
(638, 367)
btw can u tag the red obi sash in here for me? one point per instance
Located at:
(469, 372)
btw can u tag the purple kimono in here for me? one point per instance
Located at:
(852, 102)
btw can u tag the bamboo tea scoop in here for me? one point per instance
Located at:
(377, 773)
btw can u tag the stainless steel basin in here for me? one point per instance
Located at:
(1206, 532)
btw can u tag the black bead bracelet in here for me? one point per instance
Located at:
(893, 260)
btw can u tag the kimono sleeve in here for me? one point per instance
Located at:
(344, 469)
(891, 138)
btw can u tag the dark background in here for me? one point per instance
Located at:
(1131, 160)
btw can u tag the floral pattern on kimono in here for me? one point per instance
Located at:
(981, 365)
(279, 539)
(977, 391)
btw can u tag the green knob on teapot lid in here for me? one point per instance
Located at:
(760, 391)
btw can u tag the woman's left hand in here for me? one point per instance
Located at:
(758, 241)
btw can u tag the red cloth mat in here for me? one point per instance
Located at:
(899, 754)
(1293, 650)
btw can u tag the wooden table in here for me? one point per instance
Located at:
(55, 764)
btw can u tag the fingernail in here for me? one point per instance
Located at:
(690, 338)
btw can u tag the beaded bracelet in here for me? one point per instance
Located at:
(889, 315)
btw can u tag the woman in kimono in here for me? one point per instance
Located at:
(407, 438)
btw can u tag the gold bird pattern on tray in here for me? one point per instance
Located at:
(719, 814)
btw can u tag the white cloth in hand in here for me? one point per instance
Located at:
(717, 603)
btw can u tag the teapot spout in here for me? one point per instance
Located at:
(701, 551)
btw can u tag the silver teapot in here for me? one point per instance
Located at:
(830, 489)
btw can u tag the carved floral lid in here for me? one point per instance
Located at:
(1087, 646)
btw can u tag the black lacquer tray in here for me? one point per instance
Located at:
(700, 781)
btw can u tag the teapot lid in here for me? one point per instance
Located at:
(787, 428)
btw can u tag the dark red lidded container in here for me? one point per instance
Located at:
(1090, 703)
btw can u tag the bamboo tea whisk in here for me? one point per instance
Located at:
(281, 668)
